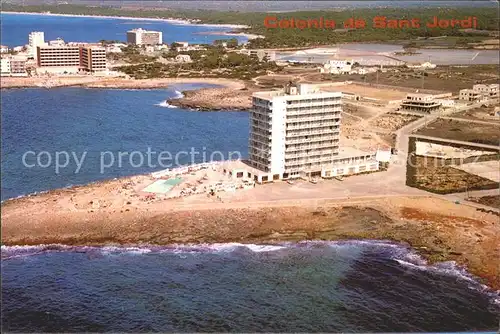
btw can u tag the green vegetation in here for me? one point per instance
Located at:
(108, 42)
(132, 54)
(230, 43)
(214, 62)
(487, 19)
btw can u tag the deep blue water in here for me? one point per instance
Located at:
(16, 27)
(307, 287)
(104, 123)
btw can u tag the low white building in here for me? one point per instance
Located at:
(183, 58)
(446, 103)
(13, 66)
(113, 49)
(5, 66)
(194, 47)
(364, 70)
(161, 47)
(479, 93)
(57, 42)
(4, 49)
(337, 66)
(425, 65)
(182, 44)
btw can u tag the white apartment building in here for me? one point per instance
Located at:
(144, 37)
(5, 66)
(4, 49)
(35, 39)
(480, 92)
(295, 133)
(13, 66)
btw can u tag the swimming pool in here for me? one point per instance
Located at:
(162, 186)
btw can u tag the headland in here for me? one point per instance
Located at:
(118, 212)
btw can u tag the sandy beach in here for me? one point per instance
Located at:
(169, 20)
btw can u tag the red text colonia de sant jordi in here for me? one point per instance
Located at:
(379, 22)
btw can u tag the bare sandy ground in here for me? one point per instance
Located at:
(439, 229)
(382, 94)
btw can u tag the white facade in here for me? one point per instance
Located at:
(4, 49)
(183, 58)
(490, 91)
(335, 66)
(422, 66)
(35, 39)
(294, 131)
(13, 66)
(57, 42)
(161, 47)
(480, 92)
(144, 37)
(5, 67)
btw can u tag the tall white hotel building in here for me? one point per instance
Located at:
(295, 133)
(36, 39)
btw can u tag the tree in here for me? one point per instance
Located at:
(232, 43)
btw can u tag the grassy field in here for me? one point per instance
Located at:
(443, 78)
(479, 114)
(463, 131)
(432, 175)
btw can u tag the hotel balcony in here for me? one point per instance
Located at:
(291, 134)
(309, 140)
(306, 125)
(294, 148)
(292, 112)
(312, 119)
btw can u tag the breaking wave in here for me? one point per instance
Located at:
(403, 255)
(165, 104)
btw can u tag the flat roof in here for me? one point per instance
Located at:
(142, 30)
(351, 152)
(419, 95)
(269, 95)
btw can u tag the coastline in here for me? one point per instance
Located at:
(249, 36)
(169, 20)
(429, 225)
(215, 99)
(106, 82)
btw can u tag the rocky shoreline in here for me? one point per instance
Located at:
(433, 227)
(215, 99)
